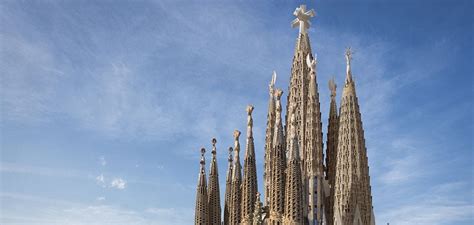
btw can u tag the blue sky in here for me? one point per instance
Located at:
(105, 104)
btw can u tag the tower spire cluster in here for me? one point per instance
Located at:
(302, 186)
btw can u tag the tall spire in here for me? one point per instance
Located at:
(278, 157)
(268, 139)
(228, 190)
(331, 151)
(353, 200)
(201, 213)
(235, 213)
(213, 191)
(249, 183)
(298, 91)
(294, 213)
(313, 163)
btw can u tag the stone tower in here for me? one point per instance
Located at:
(278, 157)
(314, 149)
(298, 188)
(353, 199)
(331, 151)
(235, 213)
(213, 189)
(307, 120)
(294, 213)
(269, 139)
(249, 183)
(228, 189)
(201, 216)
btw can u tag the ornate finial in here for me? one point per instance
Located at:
(203, 160)
(249, 109)
(230, 154)
(214, 141)
(311, 62)
(236, 135)
(348, 54)
(332, 87)
(271, 86)
(302, 18)
(249, 120)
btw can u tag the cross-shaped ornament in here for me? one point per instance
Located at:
(302, 18)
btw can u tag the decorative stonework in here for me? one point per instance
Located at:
(201, 216)
(249, 184)
(352, 197)
(213, 189)
(299, 189)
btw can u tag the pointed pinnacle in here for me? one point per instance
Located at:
(214, 141)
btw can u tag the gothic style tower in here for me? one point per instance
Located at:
(299, 190)
(269, 139)
(201, 216)
(278, 157)
(228, 189)
(249, 184)
(353, 200)
(331, 151)
(294, 213)
(213, 191)
(235, 213)
(314, 149)
(298, 97)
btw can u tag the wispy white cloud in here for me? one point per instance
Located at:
(100, 180)
(436, 206)
(50, 211)
(118, 183)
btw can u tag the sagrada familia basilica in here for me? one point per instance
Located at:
(301, 187)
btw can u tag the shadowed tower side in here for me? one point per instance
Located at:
(249, 183)
(353, 199)
(314, 149)
(269, 139)
(235, 213)
(294, 213)
(228, 189)
(201, 212)
(278, 157)
(213, 189)
(331, 151)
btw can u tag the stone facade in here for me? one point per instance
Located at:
(299, 188)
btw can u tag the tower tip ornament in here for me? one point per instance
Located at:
(236, 134)
(249, 121)
(214, 141)
(203, 161)
(250, 110)
(332, 87)
(302, 18)
(348, 55)
(271, 86)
